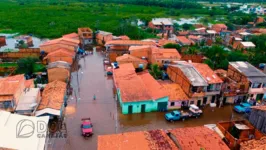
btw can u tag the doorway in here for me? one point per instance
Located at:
(259, 97)
(162, 106)
(205, 100)
(224, 100)
(143, 108)
(199, 103)
(213, 99)
(130, 109)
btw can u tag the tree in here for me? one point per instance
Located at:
(171, 45)
(192, 51)
(155, 71)
(187, 26)
(26, 65)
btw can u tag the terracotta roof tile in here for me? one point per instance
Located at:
(29, 83)
(165, 53)
(219, 27)
(129, 42)
(71, 36)
(184, 40)
(127, 57)
(193, 37)
(156, 90)
(124, 37)
(69, 41)
(53, 95)
(163, 42)
(60, 52)
(174, 91)
(263, 108)
(197, 138)
(254, 144)
(207, 73)
(9, 85)
(141, 140)
(130, 84)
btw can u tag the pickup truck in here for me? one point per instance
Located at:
(242, 108)
(176, 115)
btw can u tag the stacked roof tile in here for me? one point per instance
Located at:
(174, 91)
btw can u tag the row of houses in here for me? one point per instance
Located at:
(191, 83)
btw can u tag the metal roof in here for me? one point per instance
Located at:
(191, 73)
(251, 72)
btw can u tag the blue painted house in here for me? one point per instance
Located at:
(138, 93)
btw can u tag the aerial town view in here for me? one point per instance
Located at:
(132, 75)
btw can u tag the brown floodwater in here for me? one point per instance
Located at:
(105, 112)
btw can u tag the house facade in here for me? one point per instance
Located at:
(117, 48)
(53, 100)
(162, 24)
(252, 81)
(191, 81)
(138, 93)
(177, 97)
(85, 36)
(102, 37)
(163, 56)
(11, 89)
(212, 93)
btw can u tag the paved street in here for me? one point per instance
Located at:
(103, 110)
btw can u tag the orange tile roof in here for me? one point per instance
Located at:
(141, 140)
(145, 47)
(197, 138)
(193, 37)
(263, 108)
(59, 52)
(5, 98)
(163, 42)
(184, 40)
(29, 83)
(53, 95)
(219, 27)
(207, 73)
(174, 91)
(9, 85)
(124, 37)
(129, 42)
(71, 35)
(127, 57)
(130, 84)
(69, 41)
(182, 33)
(156, 90)
(254, 144)
(165, 53)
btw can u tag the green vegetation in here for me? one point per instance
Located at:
(29, 65)
(155, 71)
(171, 45)
(8, 65)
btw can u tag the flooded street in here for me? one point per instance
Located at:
(105, 113)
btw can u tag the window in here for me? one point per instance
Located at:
(162, 61)
(194, 89)
(172, 104)
(264, 85)
(256, 85)
(86, 126)
(191, 102)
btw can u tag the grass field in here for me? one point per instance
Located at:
(48, 20)
(37, 67)
(52, 21)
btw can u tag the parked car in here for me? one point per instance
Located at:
(176, 115)
(242, 108)
(86, 127)
(195, 111)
